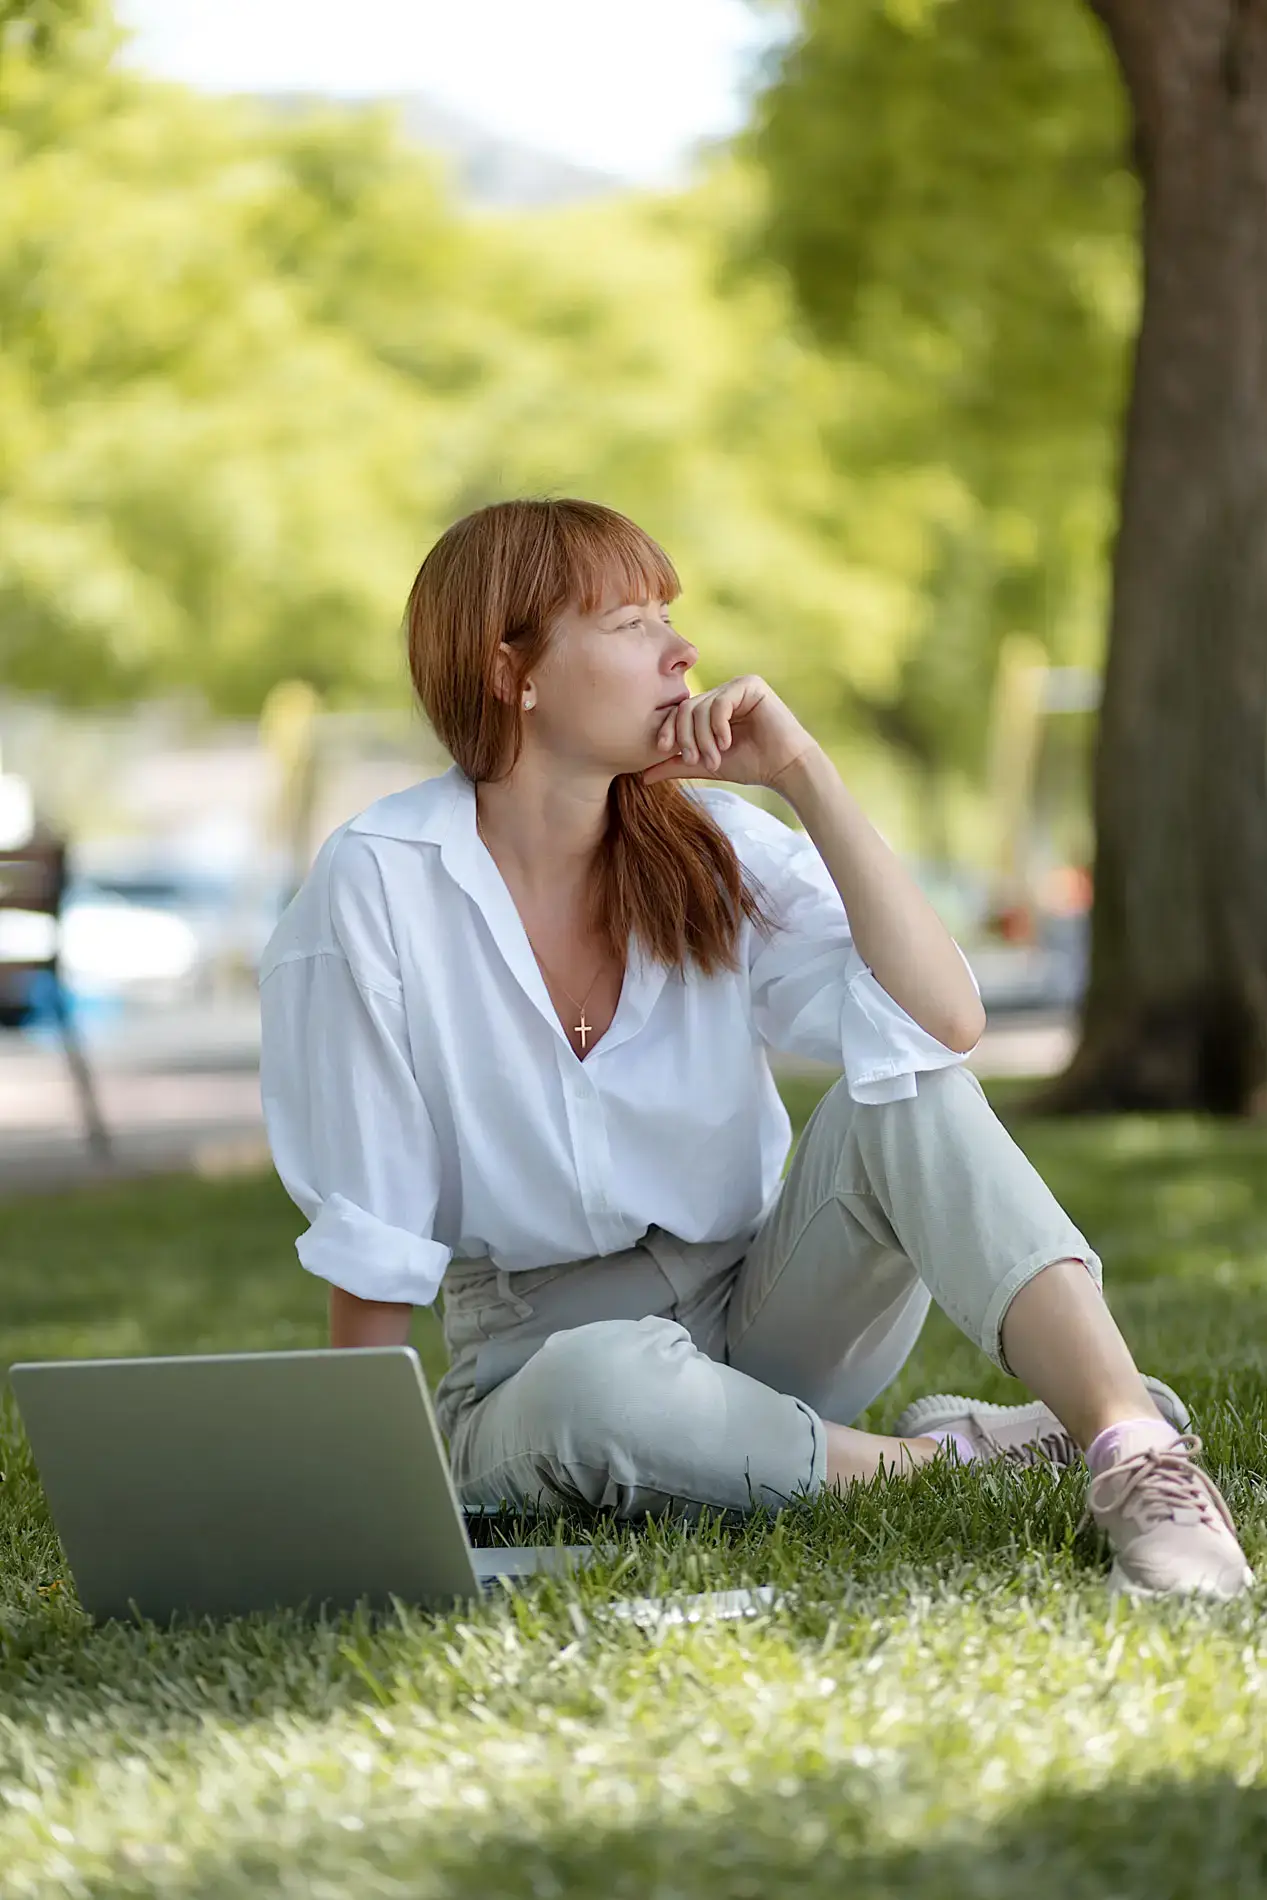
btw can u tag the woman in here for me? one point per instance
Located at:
(515, 1027)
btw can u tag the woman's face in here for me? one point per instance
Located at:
(600, 693)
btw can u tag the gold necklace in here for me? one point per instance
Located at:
(581, 1029)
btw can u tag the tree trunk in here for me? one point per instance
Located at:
(1176, 1009)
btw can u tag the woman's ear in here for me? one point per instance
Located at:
(503, 673)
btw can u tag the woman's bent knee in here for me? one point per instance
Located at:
(631, 1415)
(598, 1383)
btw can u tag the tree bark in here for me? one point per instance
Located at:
(1175, 1015)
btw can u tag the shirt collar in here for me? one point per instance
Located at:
(422, 813)
(441, 810)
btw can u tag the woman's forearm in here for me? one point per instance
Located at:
(902, 939)
(357, 1322)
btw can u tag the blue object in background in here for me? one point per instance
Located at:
(41, 1025)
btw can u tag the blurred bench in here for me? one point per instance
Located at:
(32, 886)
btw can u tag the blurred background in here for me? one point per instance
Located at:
(286, 288)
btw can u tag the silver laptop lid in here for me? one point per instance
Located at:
(224, 1483)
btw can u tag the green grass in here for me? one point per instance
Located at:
(944, 1705)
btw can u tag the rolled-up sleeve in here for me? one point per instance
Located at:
(349, 1130)
(811, 992)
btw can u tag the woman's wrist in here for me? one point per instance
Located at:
(358, 1322)
(802, 776)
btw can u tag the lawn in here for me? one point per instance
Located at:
(944, 1704)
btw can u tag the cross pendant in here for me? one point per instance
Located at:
(582, 1029)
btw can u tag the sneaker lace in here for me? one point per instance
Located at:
(1157, 1485)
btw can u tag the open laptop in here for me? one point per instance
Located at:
(221, 1483)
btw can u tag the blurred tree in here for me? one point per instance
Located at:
(950, 196)
(206, 481)
(257, 361)
(39, 28)
(1176, 1013)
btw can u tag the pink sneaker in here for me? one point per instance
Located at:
(1171, 1532)
(1023, 1434)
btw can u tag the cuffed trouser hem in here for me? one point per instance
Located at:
(932, 1188)
(818, 1454)
(991, 1341)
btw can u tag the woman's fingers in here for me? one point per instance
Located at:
(700, 729)
(710, 745)
(702, 733)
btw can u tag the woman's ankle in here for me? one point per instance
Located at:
(857, 1457)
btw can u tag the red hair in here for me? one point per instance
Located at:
(667, 872)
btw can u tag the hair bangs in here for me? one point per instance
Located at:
(600, 550)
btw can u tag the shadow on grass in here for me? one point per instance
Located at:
(173, 1264)
(939, 1530)
(812, 1835)
(939, 1534)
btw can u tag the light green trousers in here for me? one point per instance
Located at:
(681, 1374)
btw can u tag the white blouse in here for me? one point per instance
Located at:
(422, 1100)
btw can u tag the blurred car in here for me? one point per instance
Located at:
(1031, 957)
(153, 930)
(112, 943)
(163, 932)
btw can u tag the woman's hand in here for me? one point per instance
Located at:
(741, 731)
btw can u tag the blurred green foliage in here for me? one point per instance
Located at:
(858, 379)
(39, 28)
(951, 194)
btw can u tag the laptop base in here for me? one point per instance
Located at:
(530, 1560)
